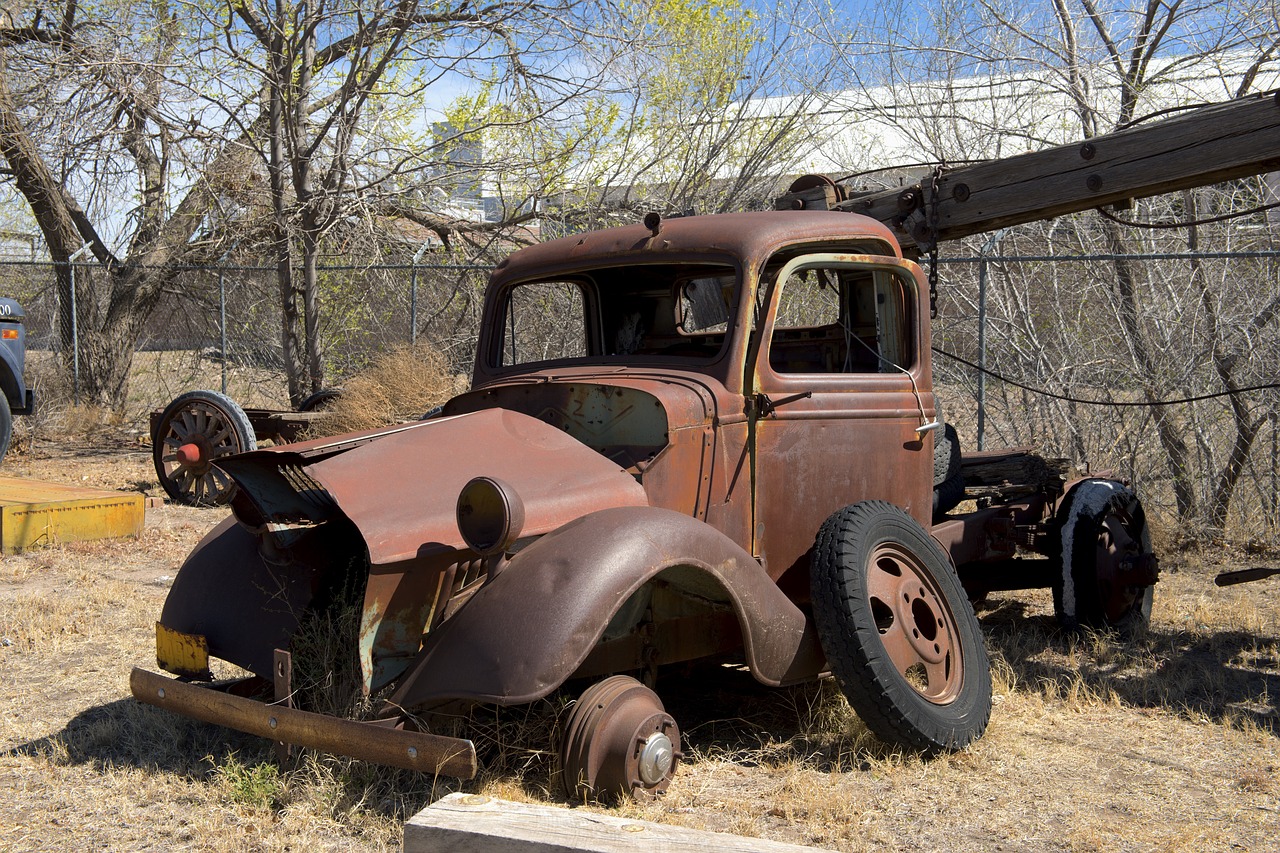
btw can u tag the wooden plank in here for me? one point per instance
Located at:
(1200, 147)
(35, 514)
(467, 823)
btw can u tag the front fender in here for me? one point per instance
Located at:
(521, 636)
(242, 605)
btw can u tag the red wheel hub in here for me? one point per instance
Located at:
(189, 454)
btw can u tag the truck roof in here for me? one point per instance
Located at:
(731, 234)
(10, 310)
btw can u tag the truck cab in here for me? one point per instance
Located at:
(754, 371)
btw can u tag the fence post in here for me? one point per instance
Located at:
(413, 304)
(1275, 462)
(413, 293)
(222, 323)
(982, 335)
(75, 343)
(75, 327)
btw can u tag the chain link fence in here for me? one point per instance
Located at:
(1051, 327)
(1051, 323)
(220, 327)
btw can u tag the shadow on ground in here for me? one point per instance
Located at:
(1225, 676)
(1229, 677)
(128, 734)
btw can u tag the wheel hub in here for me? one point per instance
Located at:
(190, 455)
(656, 758)
(1123, 571)
(916, 627)
(620, 742)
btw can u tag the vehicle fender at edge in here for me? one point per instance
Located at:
(11, 384)
(521, 636)
(244, 606)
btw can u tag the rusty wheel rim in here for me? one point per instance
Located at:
(619, 741)
(916, 626)
(198, 434)
(1117, 550)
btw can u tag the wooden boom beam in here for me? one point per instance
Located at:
(1202, 146)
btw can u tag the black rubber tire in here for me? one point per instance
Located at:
(948, 479)
(946, 454)
(948, 495)
(320, 400)
(6, 426)
(200, 416)
(859, 549)
(1099, 517)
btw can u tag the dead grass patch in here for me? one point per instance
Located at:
(399, 385)
(1168, 743)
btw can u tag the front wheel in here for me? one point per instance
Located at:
(898, 631)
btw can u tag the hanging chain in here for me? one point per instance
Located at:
(934, 179)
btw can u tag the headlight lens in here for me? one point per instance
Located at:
(490, 516)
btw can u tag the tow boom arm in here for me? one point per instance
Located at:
(1203, 146)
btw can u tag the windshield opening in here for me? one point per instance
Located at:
(679, 310)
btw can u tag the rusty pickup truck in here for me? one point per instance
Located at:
(704, 438)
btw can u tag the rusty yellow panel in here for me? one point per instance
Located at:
(182, 654)
(35, 514)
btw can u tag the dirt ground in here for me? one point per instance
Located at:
(1170, 743)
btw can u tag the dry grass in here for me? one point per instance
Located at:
(399, 385)
(1169, 743)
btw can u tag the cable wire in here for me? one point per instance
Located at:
(1188, 222)
(1112, 403)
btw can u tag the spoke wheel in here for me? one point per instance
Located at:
(1108, 568)
(898, 630)
(196, 429)
(619, 742)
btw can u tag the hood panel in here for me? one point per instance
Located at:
(401, 490)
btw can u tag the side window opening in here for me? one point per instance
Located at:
(841, 319)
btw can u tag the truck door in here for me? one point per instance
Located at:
(841, 385)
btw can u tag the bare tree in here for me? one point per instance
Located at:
(102, 156)
(1074, 68)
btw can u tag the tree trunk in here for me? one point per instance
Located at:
(311, 307)
(1175, 449)
(289, 343)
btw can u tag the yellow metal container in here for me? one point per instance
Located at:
(34, 514)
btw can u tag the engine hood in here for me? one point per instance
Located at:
(399, 487)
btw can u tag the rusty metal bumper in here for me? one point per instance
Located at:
(426, 753)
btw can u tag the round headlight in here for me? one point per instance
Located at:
(490, 516)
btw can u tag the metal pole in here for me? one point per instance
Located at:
(413, 305)
(75, 327)
(982, 335)
(222, 323)
(413, 292)
(222, 310)
(1275, 462)
(75, 342)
